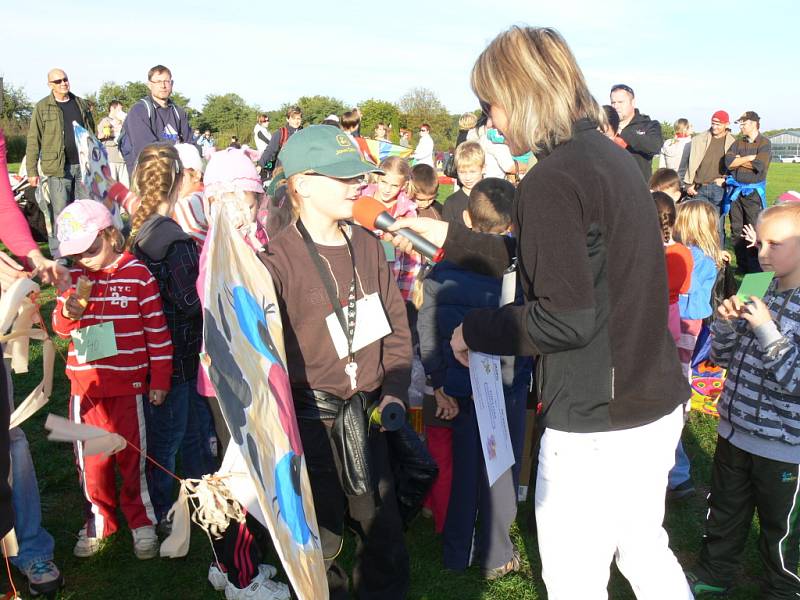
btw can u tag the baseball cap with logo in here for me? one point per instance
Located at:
(721, 116)
(325, 150)
(749, 116)
(78, 226)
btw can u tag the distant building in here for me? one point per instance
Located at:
(785, 144)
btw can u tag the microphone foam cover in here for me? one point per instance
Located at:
(366, 209)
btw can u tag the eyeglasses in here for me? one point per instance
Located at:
(161, 82)
(59, 81)
(623, 87)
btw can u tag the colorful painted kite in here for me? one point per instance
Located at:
(96, 178)
(246, 362)
(378, 150)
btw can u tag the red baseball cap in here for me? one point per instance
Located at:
(721, 116)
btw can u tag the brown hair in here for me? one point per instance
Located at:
(350, 120)
(532, 74)
(155, 180)
(489, 205)
(666, 214)
(395, 164)
(663, 180)
(681, 126)
(423, 180)
(113, 235)
(158, 69)
(293, 110)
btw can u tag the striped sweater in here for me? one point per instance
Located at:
(760, 405)
(127, 295)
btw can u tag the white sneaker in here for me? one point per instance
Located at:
(145, 542)
(217, 577)
(86, 546)
(261, 588)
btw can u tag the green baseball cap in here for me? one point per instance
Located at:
(326, 150)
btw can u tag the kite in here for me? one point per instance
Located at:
(379, 150)
(246, 362)
(96, 180)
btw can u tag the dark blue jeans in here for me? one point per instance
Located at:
(183, 422)
(713, 194)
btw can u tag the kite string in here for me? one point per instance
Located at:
(85, 395)
(8, 570)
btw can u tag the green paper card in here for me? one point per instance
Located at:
(94, 342)
(754, 284)
(388, 248)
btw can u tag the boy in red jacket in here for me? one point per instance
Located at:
(119, 336)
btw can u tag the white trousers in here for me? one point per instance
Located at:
(600, 496)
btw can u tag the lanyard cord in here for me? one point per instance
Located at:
(348, 324)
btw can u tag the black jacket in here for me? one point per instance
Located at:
(644, 139)
(592, 268)
(173, 258)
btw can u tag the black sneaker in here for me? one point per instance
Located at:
(699, 587)
(681, 491)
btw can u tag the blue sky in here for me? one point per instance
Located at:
(684, 59)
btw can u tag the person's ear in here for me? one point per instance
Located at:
(467, 220)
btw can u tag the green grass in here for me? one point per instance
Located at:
(13, 167)
(116, 573)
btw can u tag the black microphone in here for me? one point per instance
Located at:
(371, 214)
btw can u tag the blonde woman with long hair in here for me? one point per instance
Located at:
(592, 269)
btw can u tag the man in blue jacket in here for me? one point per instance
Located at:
(155, 118)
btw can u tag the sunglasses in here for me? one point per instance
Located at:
(59, 81)
(622, 86)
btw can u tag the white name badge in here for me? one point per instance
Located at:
(371, 325)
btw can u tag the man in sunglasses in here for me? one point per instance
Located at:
(641, 134)
(52, 153)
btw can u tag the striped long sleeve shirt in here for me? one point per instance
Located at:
(125, 294)
(760, 405)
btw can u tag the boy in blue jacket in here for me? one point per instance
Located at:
(450, 293)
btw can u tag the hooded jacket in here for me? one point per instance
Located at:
(644, 139)
(173, 258)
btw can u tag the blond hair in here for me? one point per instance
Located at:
(681, 126)
(156, 179)
(696, 225)
(788, 210)
(469, 154)
(531, 73)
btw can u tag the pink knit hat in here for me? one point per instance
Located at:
(78, 226)
(231, 170)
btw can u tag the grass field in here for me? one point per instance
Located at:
(115, 573)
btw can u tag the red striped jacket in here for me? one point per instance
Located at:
(127, 295)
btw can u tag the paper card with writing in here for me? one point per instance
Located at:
(490, 410)
(94, 342)
(371, 325)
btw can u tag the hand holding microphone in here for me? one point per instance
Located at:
(422, 235)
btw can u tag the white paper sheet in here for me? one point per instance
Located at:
(490, 409)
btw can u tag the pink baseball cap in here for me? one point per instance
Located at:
(229, 170)
(79, 224)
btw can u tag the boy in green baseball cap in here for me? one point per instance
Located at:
(348, 349)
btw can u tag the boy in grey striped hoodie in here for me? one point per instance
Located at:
(757, 460)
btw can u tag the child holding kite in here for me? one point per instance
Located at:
(330, 274)
(119, 357)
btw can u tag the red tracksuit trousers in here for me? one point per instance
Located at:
(122, 415)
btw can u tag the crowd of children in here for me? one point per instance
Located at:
(134, 315)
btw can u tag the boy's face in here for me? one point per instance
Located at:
(779, 247)
(469, 175)
(424, 200)
(294, 120)
(389, 187)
